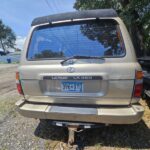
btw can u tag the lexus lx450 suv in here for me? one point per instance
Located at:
(80, 67)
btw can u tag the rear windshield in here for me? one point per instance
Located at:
(97, 38)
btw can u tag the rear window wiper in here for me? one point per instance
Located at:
(81, 57)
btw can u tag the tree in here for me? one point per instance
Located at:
(7, 37)
(136, 15)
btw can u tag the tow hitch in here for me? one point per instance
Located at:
(71, 134)
(75, 139)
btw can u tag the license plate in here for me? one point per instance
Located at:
(72, 87)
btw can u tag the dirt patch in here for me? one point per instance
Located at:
(20, 133)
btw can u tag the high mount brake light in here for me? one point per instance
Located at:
(138, 84)
(19, 87)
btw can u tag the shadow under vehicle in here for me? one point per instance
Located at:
(134, 136)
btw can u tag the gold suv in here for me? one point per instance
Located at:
(80, 68)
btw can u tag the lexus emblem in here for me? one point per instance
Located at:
(70, 69)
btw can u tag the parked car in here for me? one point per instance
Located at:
(2, 52)
(145, 64)
(80, 68)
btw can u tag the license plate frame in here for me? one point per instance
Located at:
(72, 86)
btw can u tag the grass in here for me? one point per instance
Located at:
(98, 146)
(7, 104)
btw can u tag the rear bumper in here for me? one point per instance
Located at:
(109, 115)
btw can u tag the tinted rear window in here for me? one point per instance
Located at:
(90, 38)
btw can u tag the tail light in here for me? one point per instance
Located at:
(138, 84)
(18, 83)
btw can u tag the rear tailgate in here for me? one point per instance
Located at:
(89, 81)
(102, 83)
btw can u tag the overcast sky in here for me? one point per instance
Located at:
(18, 14)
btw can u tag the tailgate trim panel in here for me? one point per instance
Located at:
(72, 78)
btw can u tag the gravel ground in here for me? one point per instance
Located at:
(20, 133)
